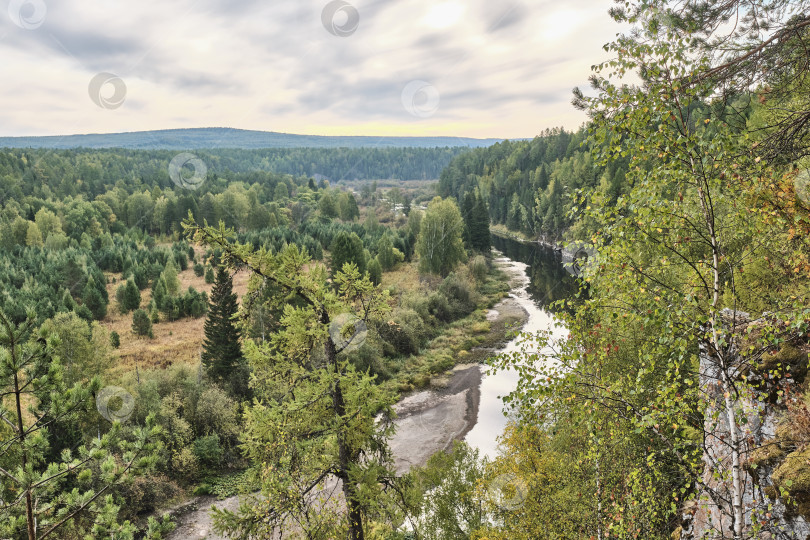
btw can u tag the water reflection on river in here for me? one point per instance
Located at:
(541, 280)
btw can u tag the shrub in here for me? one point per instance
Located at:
(405, 331)
(115, 339)
(141, 324)
(209, 275)
(207, 450)
(479, 268)
(459, 297)
(185, 463)
(199, 270)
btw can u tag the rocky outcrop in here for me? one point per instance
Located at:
(773, 464)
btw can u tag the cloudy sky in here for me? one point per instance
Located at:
(478, 68)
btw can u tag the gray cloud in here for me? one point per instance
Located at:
(502, 69)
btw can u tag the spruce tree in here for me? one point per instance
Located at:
(347, 247)
(222, 353)
(159, 292)
(480, 237)
(93, 300)
(467, 210)
(132, 296)
(141, 324)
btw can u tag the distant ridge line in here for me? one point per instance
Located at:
(213, 138)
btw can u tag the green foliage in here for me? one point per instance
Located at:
(57, 480)
(82, 348)
(347, 207)
(132, 297)
(375, 271)
(479, 268)
(347, 248)
(443, 502)
(439, 246)
(329, 419)
(169, 276)
(222, 351)
(93, 300)
(328, 206)
(115, 339)
(207, 450)
(141, 323)
(387, 255)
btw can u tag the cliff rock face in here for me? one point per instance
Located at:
(772, 463)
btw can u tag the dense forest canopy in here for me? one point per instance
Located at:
(529, 185)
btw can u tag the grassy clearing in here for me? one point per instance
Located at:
(174, 342)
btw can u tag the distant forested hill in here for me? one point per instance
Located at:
(151, 166)
(198, 138)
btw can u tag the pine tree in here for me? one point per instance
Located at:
(132, 296)
(93, 300)
(347, 247)
(222, 353)
(159, 292)
(141, 324)
(58, 488)
(354, 211)
(375, 271)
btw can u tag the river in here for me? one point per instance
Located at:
(539, 280)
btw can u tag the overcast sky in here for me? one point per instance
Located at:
(478, 68)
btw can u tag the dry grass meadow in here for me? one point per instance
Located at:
(174, 342)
